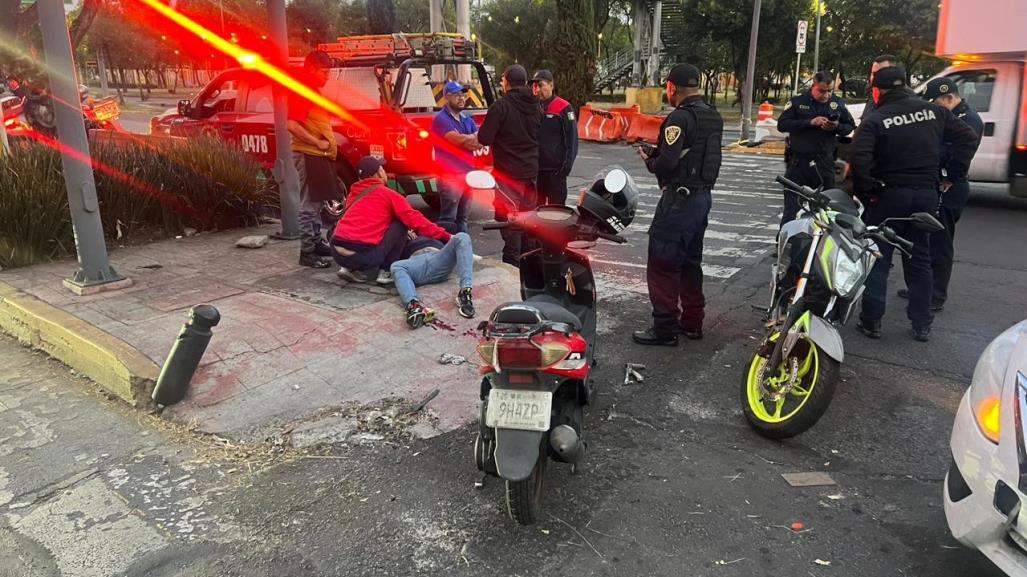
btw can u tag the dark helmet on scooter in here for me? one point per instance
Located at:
(611, 200)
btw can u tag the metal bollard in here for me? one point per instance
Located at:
(185, 355)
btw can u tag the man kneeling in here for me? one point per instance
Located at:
(432, 262)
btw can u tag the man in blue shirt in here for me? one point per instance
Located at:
(456, 140)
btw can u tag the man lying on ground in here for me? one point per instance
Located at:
(432, 262)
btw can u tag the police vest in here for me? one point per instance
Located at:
(700, 165)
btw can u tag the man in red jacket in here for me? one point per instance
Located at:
(557, 140)
(373, 229)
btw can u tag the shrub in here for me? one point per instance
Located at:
(158, 187)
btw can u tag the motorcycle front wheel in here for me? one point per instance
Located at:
(524, 497)
(787, 400)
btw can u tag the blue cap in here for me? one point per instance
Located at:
(454, 87)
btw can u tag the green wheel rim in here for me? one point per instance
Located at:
(807, 376)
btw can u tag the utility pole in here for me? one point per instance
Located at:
(816, 43)
(750, 72)
(654, 44)
(463, 27)
(94, 273)
(284, 171)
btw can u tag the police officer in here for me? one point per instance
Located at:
(557, 141)
(686, 163)
(881, 61)
(954, 189)
(813, 120)
(895, 159)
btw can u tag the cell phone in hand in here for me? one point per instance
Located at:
(834, 117)
(647, 148)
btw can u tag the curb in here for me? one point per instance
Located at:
(108, 361)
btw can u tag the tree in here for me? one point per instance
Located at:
(21, 50)
(573, 44)
(381, 16)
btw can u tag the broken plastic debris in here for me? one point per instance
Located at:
(822, 562)
(633, 373)
(723, 562)
(798, 526)
(544, 531)
(451, 359)
(837, 497)
(813, 479)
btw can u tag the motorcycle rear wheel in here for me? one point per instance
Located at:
(816, 376)
(524, 497)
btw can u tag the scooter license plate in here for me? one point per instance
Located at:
(524, 410)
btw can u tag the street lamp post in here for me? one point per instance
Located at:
(284, 172)
(599, 48)
(816, 43)
(750, 72)
(95, 272)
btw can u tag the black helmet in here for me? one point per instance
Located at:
(611, 200)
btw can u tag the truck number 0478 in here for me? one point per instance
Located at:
(254, 143)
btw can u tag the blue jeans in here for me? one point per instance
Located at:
(434, 267)
(454, 204)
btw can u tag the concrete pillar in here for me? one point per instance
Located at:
(284, 171)
(654, 44)
(639, 21)
(436, 23)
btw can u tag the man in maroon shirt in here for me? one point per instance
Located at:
(373, 229)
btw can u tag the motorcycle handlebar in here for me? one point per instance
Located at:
(495, 225)
(612, 237)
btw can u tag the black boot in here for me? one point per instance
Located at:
(649, 337)
(922, 334)
(323, 249)
(872, 330)
(313, 261)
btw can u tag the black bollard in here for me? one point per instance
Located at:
(185, 355)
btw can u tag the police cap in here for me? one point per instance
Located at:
(940, 87)
(890, 77)
(684, 75)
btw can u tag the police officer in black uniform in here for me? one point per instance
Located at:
(813, 121)
(686, 163)
(895, 159)
(955, 189)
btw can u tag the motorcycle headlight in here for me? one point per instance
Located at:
(986, 386)
(847, 273)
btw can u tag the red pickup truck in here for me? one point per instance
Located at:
(386, 82)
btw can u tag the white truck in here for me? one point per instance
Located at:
(986, 42)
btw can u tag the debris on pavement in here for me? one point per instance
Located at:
(723, 562)
(419, 406)
(798, 526)
(633, 373)
(822, 562)
(451, 359)
(255, 241)
(811, 479)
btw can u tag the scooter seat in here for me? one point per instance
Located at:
(542, 307)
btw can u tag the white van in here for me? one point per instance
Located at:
(997, 90)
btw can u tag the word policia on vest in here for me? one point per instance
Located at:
(910, 118)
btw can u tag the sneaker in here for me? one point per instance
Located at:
(477, 257)
(384, 277)
(903, 294)
(464, 303)
(419, 315)
(922, 334)
(351, 275)
(937, 306)
(871, 330)
(313, 261)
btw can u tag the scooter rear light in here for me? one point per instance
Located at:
(518, 354)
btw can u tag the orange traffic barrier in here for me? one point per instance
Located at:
(600, 125)
(644, 127)
(766, 111)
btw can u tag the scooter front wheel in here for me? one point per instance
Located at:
(787, 400)
(524, 497)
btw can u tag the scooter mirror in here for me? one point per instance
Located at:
(926, 221)
(615, 180)
(480, 180)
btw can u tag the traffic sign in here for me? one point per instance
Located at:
(800, 37)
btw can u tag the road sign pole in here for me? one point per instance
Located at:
(816, 43)
(285, 173)
(800, 48)
(750, 72)
(94, 267)
(798, 62)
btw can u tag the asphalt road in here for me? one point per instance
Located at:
(675, 482)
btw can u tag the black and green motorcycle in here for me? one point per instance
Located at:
(823, 260)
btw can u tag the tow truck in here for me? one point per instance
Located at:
(392, 84)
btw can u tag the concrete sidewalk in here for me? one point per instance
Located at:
(294, 344)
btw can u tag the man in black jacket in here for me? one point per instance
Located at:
(558, 141)
(895, 159)
(882, 61)
(813, 121)
(511, 128)
(954, 190)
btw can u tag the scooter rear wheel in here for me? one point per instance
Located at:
(524, 498)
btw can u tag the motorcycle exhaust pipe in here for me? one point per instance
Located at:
(567, 444)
